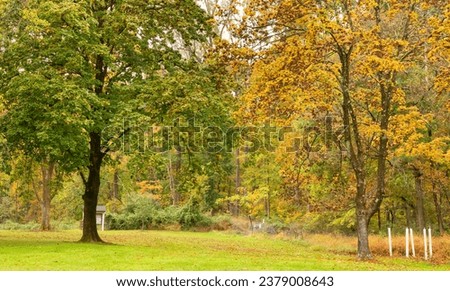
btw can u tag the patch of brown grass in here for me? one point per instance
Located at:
(380, 247)
(441, 247)
(337, 243)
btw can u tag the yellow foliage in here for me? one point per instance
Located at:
(313, 60)
(149, 187)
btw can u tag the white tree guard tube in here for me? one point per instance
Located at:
(407, 242)
(430, 242)
(390, 241)
(412, 242)
(425, 244)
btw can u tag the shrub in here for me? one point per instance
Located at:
(137, 214)
(190, 216)
(144, 213)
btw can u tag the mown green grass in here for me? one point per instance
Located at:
(165, 250)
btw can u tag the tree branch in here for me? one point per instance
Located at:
(108, 148)
(82, 177)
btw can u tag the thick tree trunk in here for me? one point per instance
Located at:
(92, 184)
(45, 208)
(362, 219)
(47, 177)
(420, 211)
(92, 187)
(363, 236)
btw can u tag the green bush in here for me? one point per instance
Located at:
(189, 216)
(328, 222)
(316, 222)
(144, 213)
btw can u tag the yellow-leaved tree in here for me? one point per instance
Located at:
(344, 61)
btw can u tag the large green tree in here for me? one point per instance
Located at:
(72, 71)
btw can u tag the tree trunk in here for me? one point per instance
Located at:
(381, 171)
(230, 186)
(420, 211)
(408, 216)
(47, 177)
(268, 197)
(363, 236)
(172, 186)
(235, 204)
(114, 186)
(357, 156)
(92, 187)
(390, 218)
(45, 209)
(362, 218)
(437, 205)
(379, 219)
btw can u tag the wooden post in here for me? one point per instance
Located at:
(407, 242)
(412, 242)
(425, 243)
(103, 220)
(390, 241)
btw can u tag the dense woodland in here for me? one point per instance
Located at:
(314, 116)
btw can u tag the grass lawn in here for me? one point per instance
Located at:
(165, 250)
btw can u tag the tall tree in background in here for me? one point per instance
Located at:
(344, 59)
(76, 69)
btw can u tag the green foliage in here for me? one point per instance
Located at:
(139, 213)
(328, 222)
(5, 208)
(144, 213)
(67, 204)
(79, 69)
(189, 216)
(345, 222)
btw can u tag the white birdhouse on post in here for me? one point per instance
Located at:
(100, 215)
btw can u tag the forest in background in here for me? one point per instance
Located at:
(314, 116)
